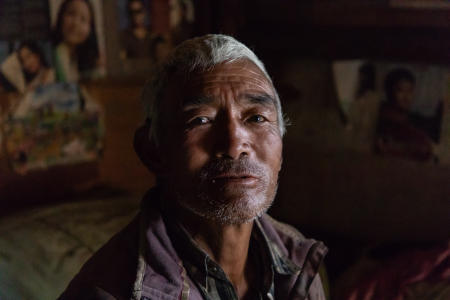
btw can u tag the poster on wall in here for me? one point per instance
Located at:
(150, 29)
(49, 46)
(25, 45)
(26, 67)
(181, 18)
(396, 109)
(78, 39)
(136, 36)
(50, 41)
(53, 125)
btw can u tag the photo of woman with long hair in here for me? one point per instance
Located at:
(26, 68)
(76, 53)
(34, 64)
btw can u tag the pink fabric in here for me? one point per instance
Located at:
(393, 279)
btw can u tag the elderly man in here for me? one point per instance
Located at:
(214, 140)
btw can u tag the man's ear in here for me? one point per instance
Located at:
(147, 151)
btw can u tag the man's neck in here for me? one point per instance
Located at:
(226, 244)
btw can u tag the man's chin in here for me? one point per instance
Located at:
(232, 196)
(229, 209)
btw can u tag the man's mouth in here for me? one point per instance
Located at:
(234, 178)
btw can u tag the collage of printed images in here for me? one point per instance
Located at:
(47, 117)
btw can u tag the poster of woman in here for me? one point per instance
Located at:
(77, 37)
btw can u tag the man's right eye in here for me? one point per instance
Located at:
(199, 121)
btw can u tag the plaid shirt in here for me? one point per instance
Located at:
(212, 280)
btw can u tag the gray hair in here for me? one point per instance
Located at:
(197, 54)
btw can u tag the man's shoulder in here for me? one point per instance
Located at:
(286, 230)
(306, 253)
(287, 235)
(112, 268)
(292, 243)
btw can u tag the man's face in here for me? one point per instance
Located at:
(222, 144)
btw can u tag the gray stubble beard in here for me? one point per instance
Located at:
(235, 212)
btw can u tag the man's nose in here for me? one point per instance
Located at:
(232, 138)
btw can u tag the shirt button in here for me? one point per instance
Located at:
(269, 296)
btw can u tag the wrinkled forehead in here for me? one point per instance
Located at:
(241, 74)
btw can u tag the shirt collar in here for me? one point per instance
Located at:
(281, 264)
(196, 261)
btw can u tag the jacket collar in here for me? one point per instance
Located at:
(161, 274)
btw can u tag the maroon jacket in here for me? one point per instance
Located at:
(140, 263)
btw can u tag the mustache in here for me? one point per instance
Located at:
(230, 167)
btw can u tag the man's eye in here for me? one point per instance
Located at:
(257, 119)
(199, 121)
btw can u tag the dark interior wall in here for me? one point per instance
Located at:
(334, 188)
(330, 184)
(347, 29)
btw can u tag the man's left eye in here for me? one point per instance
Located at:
(257, 119)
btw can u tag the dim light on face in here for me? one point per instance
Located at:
(225, 144)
